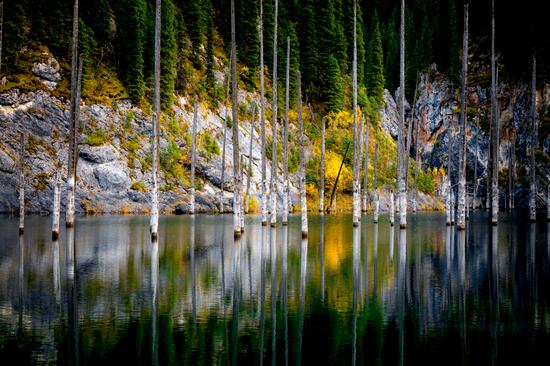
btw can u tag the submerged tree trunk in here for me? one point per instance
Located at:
(322, 170)
(22, 145)
(410, 128)
(285, 137)
(237, 188)
(533, 167)
(241, 206)
(475, 164)
(402, 194)
(262, 118)
(274, 125)
(193, 157)
(156, 126)
(448, 183)
(462, 207)
(510, 173)
(548, 203)
(417, 158)
(71, 174)
(56, 203)
(249, 171)
(366, 165)
(376, 201)
(496, 128)
(228, 78)
(356, 142)
(392, 208)
(303, 202)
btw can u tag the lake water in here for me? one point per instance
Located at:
(104, 294)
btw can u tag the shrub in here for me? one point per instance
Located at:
(96, 138)
(138, 186)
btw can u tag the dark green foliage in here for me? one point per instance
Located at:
(248, 40)
(391, 49)
(15, 33)
(168, 53)
(334, 89)
(374, 79)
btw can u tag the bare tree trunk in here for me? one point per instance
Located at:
(417, 158)
(56, 203)
(22, 146)
(1, 30)
(548, 203)
(410, 128)
(392, 208)
(448, 183)
(462, 207)
(496, 128)
(228, 78)
(303, 201)
(193, 156)
(512, 200)
(249, 172)
(366, 165)
(71, 174)
(510, 174)
(475, 163)
(322, 170)
(533, 167)
(237, 189)
(375, 186)
(241, 206)
(402, 194)
(156, 126)
(262, 118)
(274, 125)
(285, 137)
(356, 142)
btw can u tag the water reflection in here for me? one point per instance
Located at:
(370, 295)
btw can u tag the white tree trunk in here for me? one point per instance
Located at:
(375, 186)
(249, 172)
(366, 165)
(193, 157)
(228, 79)
(303, 202)
(274, 124)
(402, 194)
(453, 207)
(533, 167)
(356, 142)
(22, 183)
(56, 205)
(392, 208)
(156, 126)
(448, 202)
(322, 170)
(496, 128)
(264, 186)
(462, 207)
(417, 158)
(241, 206)
(548, 203)
(285, 137)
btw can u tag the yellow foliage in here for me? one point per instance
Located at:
(332, 165)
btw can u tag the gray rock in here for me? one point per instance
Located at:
(48, 70)
(98, 154)
(111, 176)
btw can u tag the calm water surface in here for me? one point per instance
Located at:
(104, 294)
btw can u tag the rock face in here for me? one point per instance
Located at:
(48, 71)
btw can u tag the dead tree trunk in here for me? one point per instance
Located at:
(241, 208)
(496, 128)
(262, 118)
(366, 165)
(332, 195)
(417, 158)
(193, 156)
(22, 146)
(1, 30)
(402, 194)
(511, 153)
(71, 174)
(249, 171)
(392, 208)
(462, 207)
(156, 126)
(356, 142)
(375, 186)
(448, 183)
(285, 137)
(533, 167)
(322, 170)
(410, 128)
(56, 203)
(475, 163)
(274, 125)
(237, 188)
(303, 201)
(228, 78)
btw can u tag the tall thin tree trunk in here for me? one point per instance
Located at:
(303, 201)
(193, 155)
(366, 165)
(22, 145)
(322, 170)
(475, 163)
(417, 158)
(356, 142)
(156, 126)
(548, 203)
(448, 183)
(228, 79)
(496, 128)
(274, 125)
(264, 186)
(533, 167)
(241, 206)
(375, 186)
(510, 174)
(1, 30)
(410, 128)
(285, 137)
(512, 200)
(237, 188)
(249, 172)
(462, 207)
(402, 194)
(392, 208)
(56, 203)
(71, 174)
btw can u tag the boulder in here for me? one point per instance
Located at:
(98, 154)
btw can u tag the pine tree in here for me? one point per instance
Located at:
(334, 89)
(374, 70)
(247, 36)
(133, 47)
(308, 49)
(391, 58)
(168, 56)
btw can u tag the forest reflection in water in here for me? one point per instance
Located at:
(367, 295)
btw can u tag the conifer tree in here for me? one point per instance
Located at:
(374, 73)
(168, 53)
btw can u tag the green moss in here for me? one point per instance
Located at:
(130, 116)
(138, 186)
(96, 137)
(208, 146)
(40, 181)
(131, 144)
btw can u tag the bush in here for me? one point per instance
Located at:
(209, 145)
(169, 160)
(96, 138)
(425, 183)
(138, 186)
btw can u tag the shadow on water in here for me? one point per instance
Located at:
(104, 293)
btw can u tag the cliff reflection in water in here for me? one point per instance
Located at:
(374, 294)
